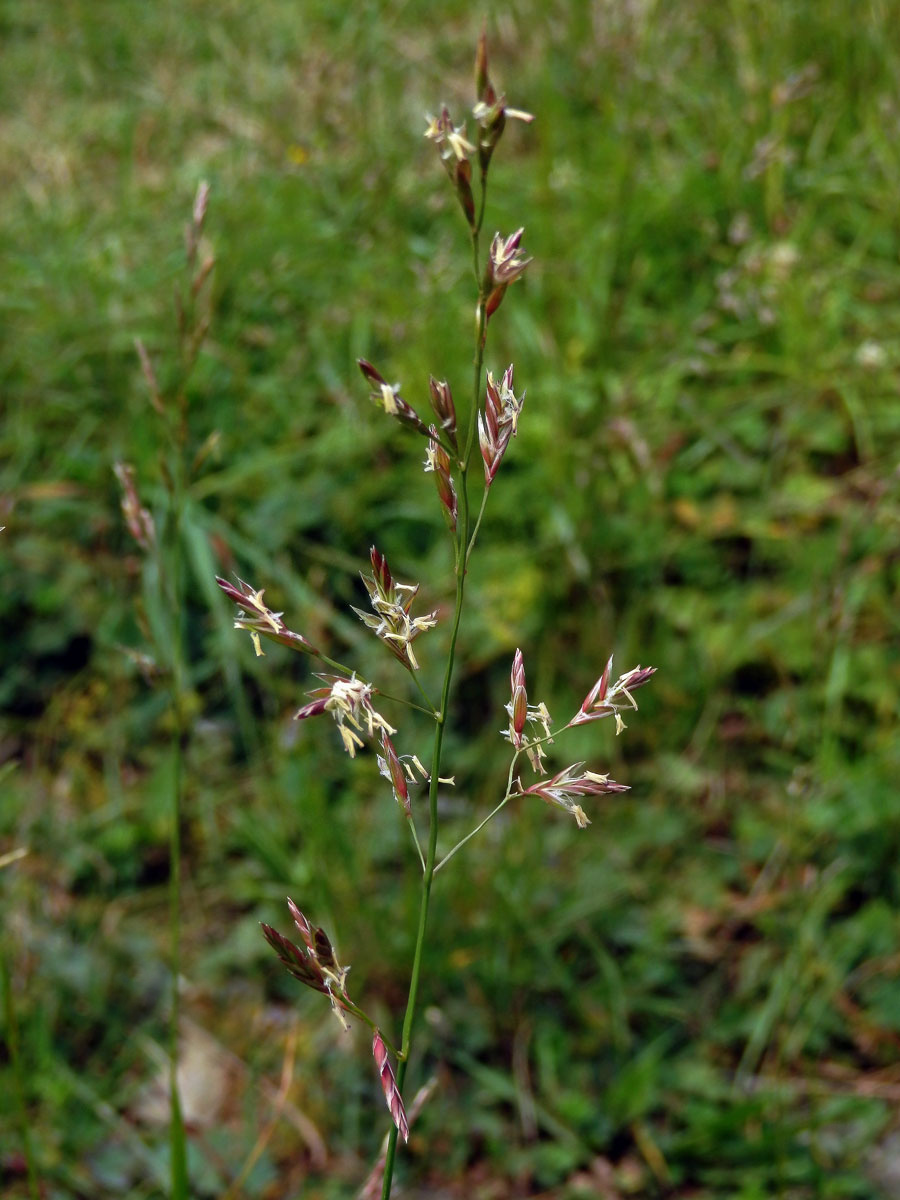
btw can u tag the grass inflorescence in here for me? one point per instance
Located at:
(694, 996)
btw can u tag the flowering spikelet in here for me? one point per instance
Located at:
(505, 264)
(258, 619)
(137, 518)
(391, 766)
(371, 1189)
(522, 713)
(391, 602)
(491, 111)
(198, 218)
(149, 376)
(349, 701)
(454, 149)
(438, 461)
(518, 705)
(317, 966)
(387, 396)
(444, 408)
(564, 786)
(389, 1086)
(605, 701)
(297, 962)
(499, 422)
(402, 770)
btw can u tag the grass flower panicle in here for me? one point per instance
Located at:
(504, 266)
(521, 713)
(317, 966)
(494, 415)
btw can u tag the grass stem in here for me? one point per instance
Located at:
(12, 1041)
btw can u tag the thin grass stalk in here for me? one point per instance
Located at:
(431, 854)
(177, 1135)
(169, 561)
(10, 1020)
(462, 545)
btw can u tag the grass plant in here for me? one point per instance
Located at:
(492, 416)
(702, 998)
(166, 549)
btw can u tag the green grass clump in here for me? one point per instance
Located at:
(699, 995)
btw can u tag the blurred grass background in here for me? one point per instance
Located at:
(700, 995)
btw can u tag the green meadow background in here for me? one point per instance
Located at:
(697, 997)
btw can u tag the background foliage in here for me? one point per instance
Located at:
(699, 996)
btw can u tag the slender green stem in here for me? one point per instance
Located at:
(12, 1042)
(348, 1006)
(476, 232)
(469, 836)
(431, 853)
(484, 497)
(415, 837)
(460, 569)
(348, 671)
(476, 396)
(430, 707)
(481, 327)
(490, 816)
(177, 1137)
(510, 795)
(334, 664)
(429, 712)
(178, 1147)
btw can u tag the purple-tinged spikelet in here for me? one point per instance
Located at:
(605, 701)
(387, 396)
(389, 1086)
(260, 621)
